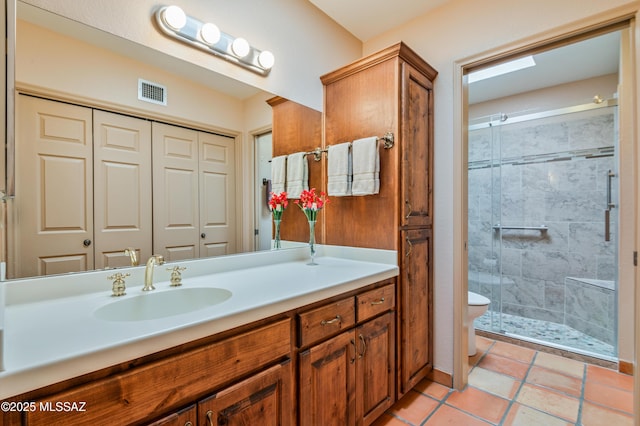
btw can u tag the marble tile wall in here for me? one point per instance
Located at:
(553, 172)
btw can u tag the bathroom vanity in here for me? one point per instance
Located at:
(280, 341)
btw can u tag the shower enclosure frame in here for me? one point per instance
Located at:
(535, 232)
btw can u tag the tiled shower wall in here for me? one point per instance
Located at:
(549, 171)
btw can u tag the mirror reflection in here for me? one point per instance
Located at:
(120, 147)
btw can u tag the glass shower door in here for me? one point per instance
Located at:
(545, 260)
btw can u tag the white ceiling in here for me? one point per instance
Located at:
(590, 58)
(368, 18)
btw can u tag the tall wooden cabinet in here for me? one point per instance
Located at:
(391, 91)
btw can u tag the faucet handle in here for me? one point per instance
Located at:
(176, 275)
(131, 252)
(118, 286)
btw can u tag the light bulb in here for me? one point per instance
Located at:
(210, 33)
(240, 47)
(266, 59)
(174, 17)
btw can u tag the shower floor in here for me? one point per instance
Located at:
(548, 332)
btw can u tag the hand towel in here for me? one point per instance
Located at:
(297, 174)
(339, 172)
(278, 174)
(366, 166)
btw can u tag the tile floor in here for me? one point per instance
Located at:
(513, 385)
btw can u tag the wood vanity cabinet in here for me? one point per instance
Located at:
(391, 91)
(349, 378)
(144, 393)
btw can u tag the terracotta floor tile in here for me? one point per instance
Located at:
(512, 351)
(503, 365)
(492, 382)
(450, 416)
(555, 380)
(483, 344)
(609, 396)
(433, 389)
(549, 401)
(609, 377)
(594, 415)
(414, 407)
(567, 366)
(479, 403)
(521, 415)
(389, 420)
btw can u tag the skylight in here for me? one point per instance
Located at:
(503, 68)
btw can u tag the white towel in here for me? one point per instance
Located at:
(278, 173)
(366, 166)
(339, 172)
(297, 174)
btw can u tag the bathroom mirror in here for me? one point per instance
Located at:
(229, 110)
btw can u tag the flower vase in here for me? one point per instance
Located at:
(276, 237)
(312, 242)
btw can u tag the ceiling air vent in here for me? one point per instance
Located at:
(152, 92)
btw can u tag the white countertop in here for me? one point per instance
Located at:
(51, 333)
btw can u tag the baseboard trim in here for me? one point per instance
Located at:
(441, 377)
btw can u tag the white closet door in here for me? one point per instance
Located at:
(175, 192)
(217, 195)
(122, 179)
(52, 213)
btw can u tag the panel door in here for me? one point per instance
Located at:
(217, 194)
(417, 175)
(415, 314)
(328, 382)
(52, 213)
(376, 367)
(175, 192)
(264, 399)
(122, 179)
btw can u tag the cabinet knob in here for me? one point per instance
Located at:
(86, 242)
(203, 235)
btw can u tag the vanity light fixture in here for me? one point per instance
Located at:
(173, 22)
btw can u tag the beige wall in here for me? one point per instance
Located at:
(457, 30)
(305, 42)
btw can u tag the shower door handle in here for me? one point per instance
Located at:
(610, 205)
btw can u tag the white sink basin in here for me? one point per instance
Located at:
(163, 304)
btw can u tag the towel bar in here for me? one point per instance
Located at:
(541, 228)
(388, 139)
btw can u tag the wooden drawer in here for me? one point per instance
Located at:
(376, 301)
(326, 320)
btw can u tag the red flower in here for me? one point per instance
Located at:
(310, 202)
(277, 204)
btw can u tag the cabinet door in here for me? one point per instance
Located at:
(264, 399)
(327, 382)
(415, 313)
(376, 388)
(417, 151)
(185, 417)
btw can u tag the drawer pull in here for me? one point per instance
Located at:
(337, 319)
(379, 302)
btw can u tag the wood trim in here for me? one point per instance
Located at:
(397, 50)
(626, 367)
(441, 377)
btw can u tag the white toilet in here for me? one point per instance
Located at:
(478, 305)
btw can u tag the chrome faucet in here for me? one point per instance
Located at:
(154, 260)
